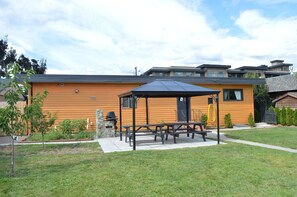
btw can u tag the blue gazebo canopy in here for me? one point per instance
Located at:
(169, 88)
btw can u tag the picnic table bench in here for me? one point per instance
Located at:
(144, 130)
(177, 128)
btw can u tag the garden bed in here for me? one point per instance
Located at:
(60, 137)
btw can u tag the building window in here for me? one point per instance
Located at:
(158, 74)
(215, 74)
(127, 102)
(233, 95)
(185, 74)
(179, 74)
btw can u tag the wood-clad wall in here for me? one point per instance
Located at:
(287, 101)
(80, 101)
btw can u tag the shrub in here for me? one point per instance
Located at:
(79, 125)
(283, 116)
(204, 119)
(84, 135)
(290, 116)
(1, 121)
(56, 135)
(66, 127)
(251, 121)
(228, 121)
(295, 117)
(277, 113)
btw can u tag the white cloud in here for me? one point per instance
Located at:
(269, 38)
(114, 36)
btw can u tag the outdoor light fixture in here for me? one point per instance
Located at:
(76, 91)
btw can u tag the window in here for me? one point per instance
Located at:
(215, 74)
(185, 74)
(158, 74)
(233, 95)
(127, 102)
(178, 74)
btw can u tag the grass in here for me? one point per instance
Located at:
(83, 170)
(279, 136)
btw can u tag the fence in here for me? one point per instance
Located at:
(270, 117)
(20, 105)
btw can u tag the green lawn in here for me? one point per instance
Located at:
(83, 170)
(280, 136)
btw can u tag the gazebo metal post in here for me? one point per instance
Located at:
(218, 118)
(187, 112)
(134, 121)
(146, 110)
(120, 107)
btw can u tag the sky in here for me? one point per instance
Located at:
(112, 37)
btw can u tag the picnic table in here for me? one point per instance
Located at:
(143, 130)
(164, 129)
(177, 128)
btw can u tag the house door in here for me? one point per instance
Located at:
(182, 109)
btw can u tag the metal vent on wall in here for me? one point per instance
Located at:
(92, 97)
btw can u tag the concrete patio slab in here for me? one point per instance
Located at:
(114, 144)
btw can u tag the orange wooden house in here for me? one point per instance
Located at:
(78, 97)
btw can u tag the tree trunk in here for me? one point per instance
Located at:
(12, 157)
(42, 140)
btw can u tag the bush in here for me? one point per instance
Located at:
(1, 116)
(204, 119)
(290, 117)
(283, 116)
(228, 121)
(66, 127)
(56, 135)
(84, 135)
(295, 117)
(79, 125)
(251, 121)
(277, 112)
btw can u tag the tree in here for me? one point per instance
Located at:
(11, 119)
(251, 121)
(9, 55)
(39, 120)
(262, 99)
(228, 121)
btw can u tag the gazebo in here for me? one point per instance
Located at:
(164, 88)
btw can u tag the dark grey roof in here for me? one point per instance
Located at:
(156, 69)
(169, 88)
(277, 61)
(174, 69)
(4, 89)
(280, 65)
(137, 79)
(277, 73)
(236, 71)
(291, 94)
(214, 66)
(282, 83)
(262, 67)
(3, 83)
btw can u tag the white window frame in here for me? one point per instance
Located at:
(234, 94)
